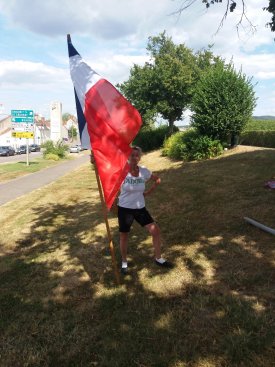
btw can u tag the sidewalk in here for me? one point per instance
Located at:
(23, 185)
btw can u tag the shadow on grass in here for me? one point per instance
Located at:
(60, 306)
(30, 162)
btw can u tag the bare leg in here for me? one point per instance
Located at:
(154, 230)
(123, 245)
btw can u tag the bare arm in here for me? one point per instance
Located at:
(156, 181)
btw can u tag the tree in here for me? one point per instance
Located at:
(223, 102)
(164, 84)
(138, 89)
(231, 5)
(66, 116)
(72, 132)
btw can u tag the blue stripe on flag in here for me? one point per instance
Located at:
(80, 115)
(72, 51)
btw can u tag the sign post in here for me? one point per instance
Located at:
(22, 126)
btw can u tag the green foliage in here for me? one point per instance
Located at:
(258, 138)
(72, 132)
(58, 148)
(223, 102)
(255, 125)
(138, 90)
(174, 146)
(205, 60)
(259, 133)
(67, 116)
(271, 9)
(163, 85)
(150, 139)
(51, 157)
(201, 147)
(190, 145)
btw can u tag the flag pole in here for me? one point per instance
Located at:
(105, 214)
(96, 99)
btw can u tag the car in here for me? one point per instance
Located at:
(80, 147)
(34, 148)
(74, 149)
(23, 149)
(6, 151)
(17, 150)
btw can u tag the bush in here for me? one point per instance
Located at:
(150, 139)
(57, 148)
(258, 138)
(223, 102)
(190, 145)
(256, 125)
(51, 157)
(174, 146)
(202, 147)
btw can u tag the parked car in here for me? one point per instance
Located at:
(6, 151)
(17, 150)
(23, 149)
(74, 149)
(80, 147)
(34, 148)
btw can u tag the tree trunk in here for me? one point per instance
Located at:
(171, 127)
(234, 140)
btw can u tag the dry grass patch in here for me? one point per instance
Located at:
(59, 303)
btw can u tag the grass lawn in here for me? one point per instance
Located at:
(9, 171)
(59, 305)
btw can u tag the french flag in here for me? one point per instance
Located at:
(108, 123)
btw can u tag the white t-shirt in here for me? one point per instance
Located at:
(131, 192)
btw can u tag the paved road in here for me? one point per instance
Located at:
(20, 157)
(23, 185)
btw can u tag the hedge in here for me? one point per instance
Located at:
(152, 139)
(258, 138)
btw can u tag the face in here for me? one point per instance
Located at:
(134, 157)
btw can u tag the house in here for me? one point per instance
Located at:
(41, 132)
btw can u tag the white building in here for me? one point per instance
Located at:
(44, 130)
(5, 130)
(56, 121)
(41, 132)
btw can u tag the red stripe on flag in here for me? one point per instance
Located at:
(112, 125)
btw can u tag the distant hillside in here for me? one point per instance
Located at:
(264, 117)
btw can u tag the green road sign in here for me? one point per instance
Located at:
(22, 119)
(25, 116)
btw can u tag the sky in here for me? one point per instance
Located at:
(111, 36)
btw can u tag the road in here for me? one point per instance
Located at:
(25, 184)
(20, 157)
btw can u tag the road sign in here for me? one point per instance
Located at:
(22, 127)
(22, 119)
(22, 123)
(22, 134)
(22, 116)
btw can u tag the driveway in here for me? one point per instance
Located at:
(25, 184)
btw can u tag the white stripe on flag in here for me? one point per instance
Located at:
(83, 76)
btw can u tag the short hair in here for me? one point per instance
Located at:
(138, 149)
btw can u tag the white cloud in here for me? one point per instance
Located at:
(21, 74)
(116, 67)
(103, 18)
(112, 36)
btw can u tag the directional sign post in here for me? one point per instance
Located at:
(19, 134)
(22, 126)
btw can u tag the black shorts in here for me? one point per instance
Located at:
(126, 217)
